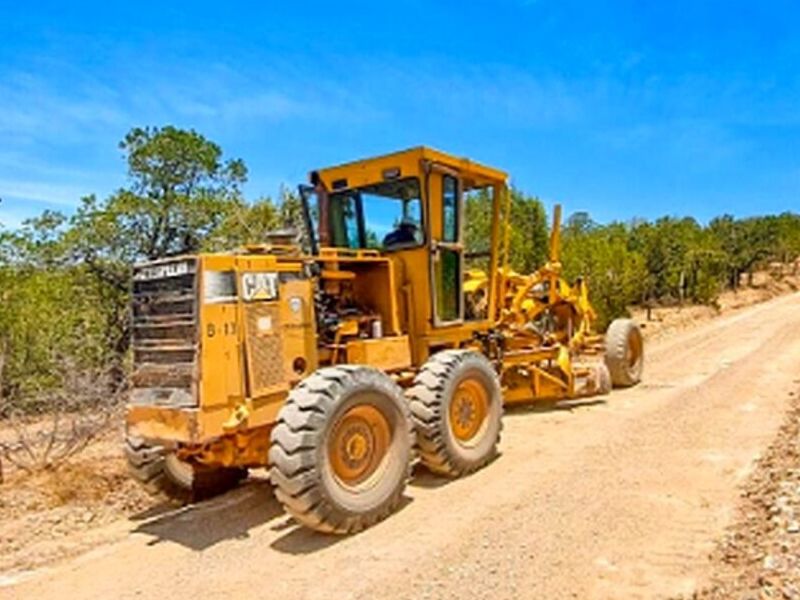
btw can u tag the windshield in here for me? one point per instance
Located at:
(383, 216)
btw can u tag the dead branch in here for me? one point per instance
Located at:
(79, 410)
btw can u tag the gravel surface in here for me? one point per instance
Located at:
(759, 557)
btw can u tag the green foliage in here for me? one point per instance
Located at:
(684, 261)
(616, 274)
(478, 221)
(251, 223)
(528, 237)
(672, 260)
(180, 192)
(173, 164)
(46, 316)
(787, 237)
(750, 242)
(64, 280)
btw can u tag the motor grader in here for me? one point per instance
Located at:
(379, 339)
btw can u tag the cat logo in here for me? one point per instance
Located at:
(259, 286)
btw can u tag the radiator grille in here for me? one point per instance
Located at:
(164, 311)
(265, 346)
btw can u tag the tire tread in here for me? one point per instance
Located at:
(294, 471)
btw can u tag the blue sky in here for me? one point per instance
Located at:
(619, 108)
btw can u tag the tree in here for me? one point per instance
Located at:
(244, 223)
(746, 242)
(788, 237)
(64, 281)
(180, 192)
(683, 260)
(528, 235)
(616, 275)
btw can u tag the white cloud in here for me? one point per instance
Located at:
(55, 121)
(56, 194)
(13, 215)
(59, 125)
(74, 111)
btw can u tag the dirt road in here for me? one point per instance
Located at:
(615, 497)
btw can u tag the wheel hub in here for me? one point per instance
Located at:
(468, 409)
(358, 444)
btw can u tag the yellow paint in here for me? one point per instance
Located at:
(388, 354)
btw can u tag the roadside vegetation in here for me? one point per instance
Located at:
(64, 278)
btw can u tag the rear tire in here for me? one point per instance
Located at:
(457, 405)
(624, 352)
(341, 449)
(162, 473)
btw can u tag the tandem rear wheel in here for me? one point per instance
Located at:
(456, 404)
(624, 352)
(340, 452)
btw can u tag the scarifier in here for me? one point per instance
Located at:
(331, 364)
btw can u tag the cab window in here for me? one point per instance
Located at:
(449, 209)
(344, 216)
(384, 216)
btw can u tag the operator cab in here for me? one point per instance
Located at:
(409, 207)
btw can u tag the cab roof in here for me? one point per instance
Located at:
(405, 163)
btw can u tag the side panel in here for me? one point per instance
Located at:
(299, 331)
(264, 346)
(412, 285)
(221, 369)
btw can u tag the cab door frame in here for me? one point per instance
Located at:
(439, 245)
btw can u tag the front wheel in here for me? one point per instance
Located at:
(340, 453)
(624, 352)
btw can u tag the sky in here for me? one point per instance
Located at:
(622, 109)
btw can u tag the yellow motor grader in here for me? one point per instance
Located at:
(334, 364)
